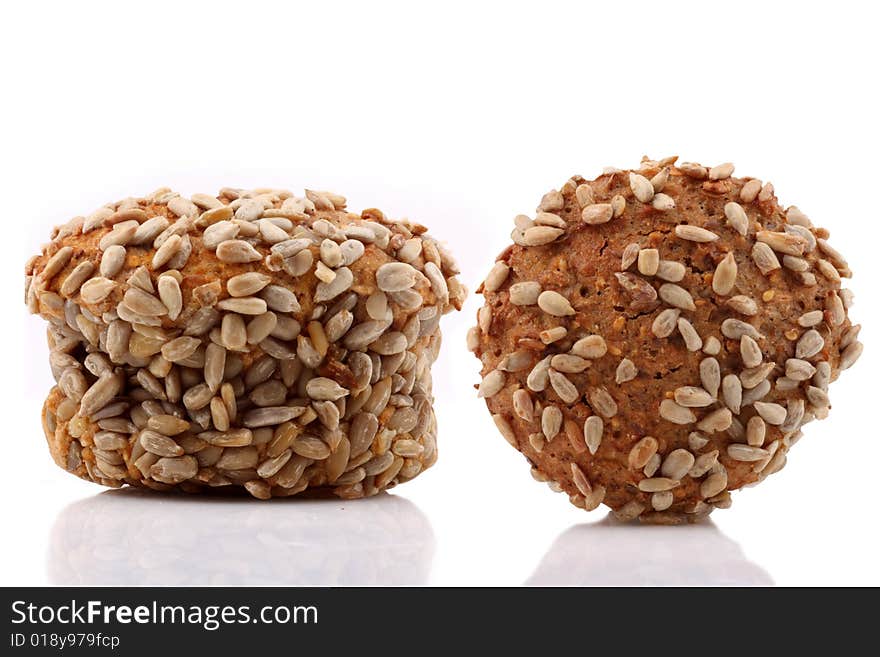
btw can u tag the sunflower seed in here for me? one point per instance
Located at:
(170, 295)
(795, 264)
(835, 309)
(539, 376)
(833, 255)
(580, 480)
(649, 261)
(626, 371)
(743, 305)
(554, 304)
(549, 336)
(642, 452)
(731, 389)
(737, 217)
(850, 335)
(602, 402)
(174, 470)
(233, 333)
(799, 370)
(764, 258)
(670, 270)
(718, 420)
(662, 500)
(549, 219)
(76, 278)
(496, 277)
(247, 284)
(693, 170)
(747, 453)
(771, 413)
(735, 329)
(143, 303)
(597, 213)
(689, 334)
(725, 275)
(658, 182)
(121, 234)
(180, 348)
(322, 388)
(794, 415)
(551, 422)
(593, 429)
(563, 387)
(167, 425)
(377, 306)
(568, 363)
(657, 484)
(591, 346)
(787, 243)
(751, 353)
(630, 254)
(237, 251)
(584, 195)
(523, 406)
(641, 187)
(721, 172)
(112, 261)
(692, 397)
(850, 355)
(752, 376)
(665, 322)
(749, 191)
(756, 430)
(673, 412)
(491, 384)
(676, 296)
(95, 290)
(100, 393)
(158, 444)
(243, 305)
(663, 202)
(505, 429)
(714, 484)
(524, 294)
(710, 375)
(712, 346)
(677, 464)
(695, 233)
(809, 344)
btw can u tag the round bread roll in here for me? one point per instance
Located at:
(252, 339)
(656, 338)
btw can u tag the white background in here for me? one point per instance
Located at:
(459, 115)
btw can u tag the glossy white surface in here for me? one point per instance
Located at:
(460, 116)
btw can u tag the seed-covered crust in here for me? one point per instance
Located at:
(656, 338)
(252, 339)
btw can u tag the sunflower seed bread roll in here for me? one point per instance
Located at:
(253, 339)
(656, 338)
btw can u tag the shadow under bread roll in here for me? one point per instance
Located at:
(253, 339)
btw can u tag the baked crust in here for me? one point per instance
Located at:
(640, 370)
(261, 364)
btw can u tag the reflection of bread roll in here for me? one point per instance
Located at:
(609, 554)
(251, 339)
(123, 538)
(656, 338)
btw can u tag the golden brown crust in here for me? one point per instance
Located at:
(618, 294)
(262, 358)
